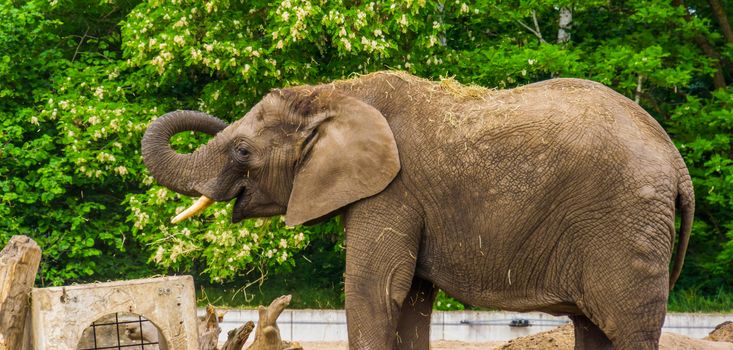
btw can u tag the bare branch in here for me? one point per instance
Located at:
(536, 30)
(81, 41)
(639, 81)
(536, 26)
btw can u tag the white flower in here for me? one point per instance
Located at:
(377, 32)
(433, 41)
(403, 21)
(347, 44)
(283, 243)
(94, 120)
(464, 8)
(159, 254)
(531, 61)
(279, 44)
(285, 16)
(178, 39)
(195, 54)
(161, 194)
(181, 22)
(34, 120)
(121, 170)
(209, 47)
(142, 219)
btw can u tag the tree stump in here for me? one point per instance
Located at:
(19, 262)
(209, 330)
(267, 334)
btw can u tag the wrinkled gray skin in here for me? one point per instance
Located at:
(557, 196)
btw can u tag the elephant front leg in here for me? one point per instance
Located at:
(381, 254)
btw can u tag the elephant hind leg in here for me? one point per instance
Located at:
(588, 336)
(628, 302)
(413, 328)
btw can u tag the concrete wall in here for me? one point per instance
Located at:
(470, 326)
(60, 314)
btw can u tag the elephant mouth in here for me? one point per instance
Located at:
(242, 201)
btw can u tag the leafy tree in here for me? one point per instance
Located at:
(80, 80)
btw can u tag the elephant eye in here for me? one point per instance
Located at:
(241, 153)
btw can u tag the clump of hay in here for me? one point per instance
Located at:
(471, 91)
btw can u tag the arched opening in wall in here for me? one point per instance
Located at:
(122, 331)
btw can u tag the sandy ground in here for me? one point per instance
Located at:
(562, 338)
(436, 345)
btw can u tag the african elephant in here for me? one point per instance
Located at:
(557, 196)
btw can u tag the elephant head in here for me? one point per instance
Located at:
(300, 152)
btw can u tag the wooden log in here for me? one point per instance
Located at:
(267, 334)
(19, 262)
(237, 337)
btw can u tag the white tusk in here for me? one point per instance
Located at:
(200, 205)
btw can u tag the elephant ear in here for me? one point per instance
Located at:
(353, 156)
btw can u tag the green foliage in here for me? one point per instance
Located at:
(445, 303)
(694, 300)
(316, 283)
(80, 80)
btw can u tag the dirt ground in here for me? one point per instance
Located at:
(562, 338)
(436, 345)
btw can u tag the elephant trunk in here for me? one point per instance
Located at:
(179, 172)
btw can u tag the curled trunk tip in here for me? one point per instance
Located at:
(179, 172)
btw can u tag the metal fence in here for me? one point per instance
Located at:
(128, 332)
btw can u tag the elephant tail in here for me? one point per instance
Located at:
(686, 203)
